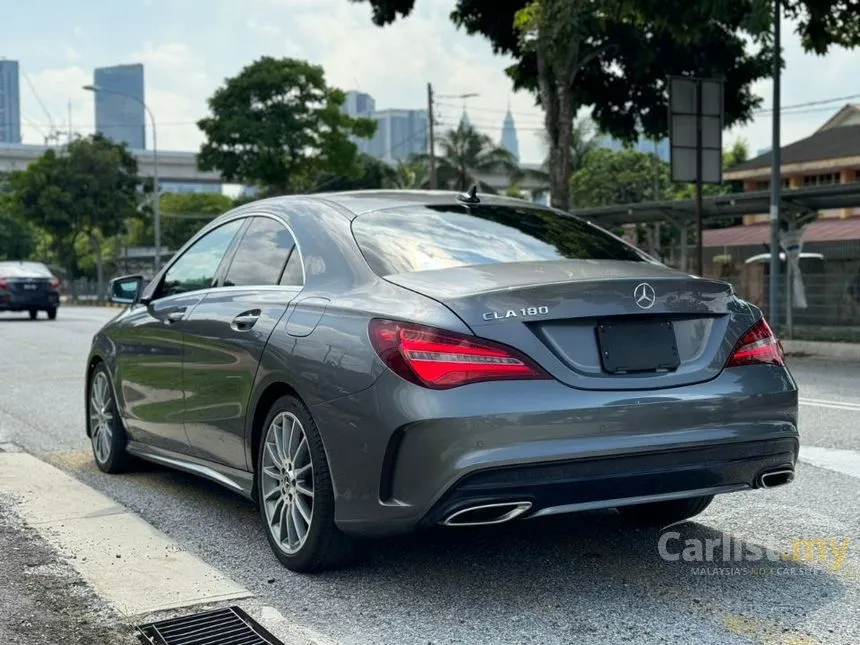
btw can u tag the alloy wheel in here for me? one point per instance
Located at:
(287, 482)
(101, 417)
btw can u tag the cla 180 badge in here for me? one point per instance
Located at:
(516, 313)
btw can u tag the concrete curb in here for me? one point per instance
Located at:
(821, 349)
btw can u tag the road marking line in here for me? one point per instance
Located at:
(842, 461)
(836, 405)
(133, 566)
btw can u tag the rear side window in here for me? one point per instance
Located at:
(423, 238)
(261, 255)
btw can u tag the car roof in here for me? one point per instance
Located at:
(359, 202)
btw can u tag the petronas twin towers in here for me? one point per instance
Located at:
(509, 133)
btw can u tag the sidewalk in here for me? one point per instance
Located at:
(44, 601)
(819, 349)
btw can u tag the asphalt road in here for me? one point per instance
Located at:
(588, 578)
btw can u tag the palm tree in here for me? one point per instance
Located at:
(467, 155)
(412, 174)
(583, 139)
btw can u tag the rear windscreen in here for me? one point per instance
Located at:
(421, 238)
(24, 270)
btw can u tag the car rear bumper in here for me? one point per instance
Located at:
(26, 301)
(404, 457)
(605, 482)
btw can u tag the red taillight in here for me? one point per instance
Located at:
(758, 345)
(3, 284)
(55, 284)
(441, 359)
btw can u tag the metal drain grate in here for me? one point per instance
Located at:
(230, 626)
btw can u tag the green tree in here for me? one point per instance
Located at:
(87, 190)
(278, 125)
(466, 154)
(607, 178)
(613, 56)
(182, 215)
(372, 173)
(584, 138)
(410, 175)
(17, 237)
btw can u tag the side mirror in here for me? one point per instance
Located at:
(126, 290)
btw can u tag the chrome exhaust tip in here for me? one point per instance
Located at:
(484, 514)
(774, 478)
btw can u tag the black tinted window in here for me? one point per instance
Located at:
(261, 254)
(434, 237)
(196, 268)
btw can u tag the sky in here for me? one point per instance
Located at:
(188, 48)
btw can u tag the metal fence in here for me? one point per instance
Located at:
(831, 286)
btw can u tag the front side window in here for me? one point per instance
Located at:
(261, 255)
(423, 238)
(197, 267)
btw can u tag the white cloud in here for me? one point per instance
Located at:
(392, 63)
(804, 78)
(56, 89)
(176, 89)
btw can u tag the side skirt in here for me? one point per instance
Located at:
(239, 481)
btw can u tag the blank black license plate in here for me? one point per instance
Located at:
(637, 346)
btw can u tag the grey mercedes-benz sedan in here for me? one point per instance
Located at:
(370, 363)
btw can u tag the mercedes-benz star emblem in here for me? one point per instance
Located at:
(644, 295)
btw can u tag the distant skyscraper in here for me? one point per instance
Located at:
(509, 135)
(399, 134)
(647, 146)
(10, 102)
(464, 120)
(118, 117)
(359, 104)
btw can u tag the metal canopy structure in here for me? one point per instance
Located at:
(797, 204)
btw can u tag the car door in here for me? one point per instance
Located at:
(150, 342)
(226, 334)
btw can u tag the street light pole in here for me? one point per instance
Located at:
(775, 175)
(156, 206)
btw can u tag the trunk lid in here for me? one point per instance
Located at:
(596, 324)
(28, 286)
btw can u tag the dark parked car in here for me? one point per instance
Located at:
(30, 287)
(371, 363)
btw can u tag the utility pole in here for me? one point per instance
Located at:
(700, 262)
(775, 175)
(431, 144)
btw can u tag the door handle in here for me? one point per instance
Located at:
(245, 320)
(175, 316)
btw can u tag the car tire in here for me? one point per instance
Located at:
(33, 313)
(287, 471)
(107, 434)
(669, 512)
(52, 313)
